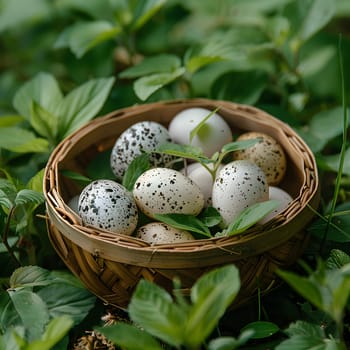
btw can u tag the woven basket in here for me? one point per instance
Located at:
(110, 265)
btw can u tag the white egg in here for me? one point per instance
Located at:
(141, 137)
(164, 191)
(202, 178)
(238, 185)
(284, 199)
(268, 154)
(214, 133)
(108, 205)
(159, 232)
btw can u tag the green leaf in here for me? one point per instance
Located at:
(230, 343)
(66, 299)
(144, 11)
(56, 329)
(32, 311)
(261, 329)
(138, 166)
(82, 104)
(210, 295)
(76, 176)
(10, 120)
(184, 222)
(337, 259)
(43, 122)
(29, 276)
(129, 337)
(238, 145)
(210, 217)
(201, 129)
(5, 200)
(83, 36)
(183, 151)
(20, 140)
(163, 63)
(11, 17)
(144, 87)
(154, 310)
(251, 216)
(331, 162)
(36, 182)
(43, 89)
(27, 196)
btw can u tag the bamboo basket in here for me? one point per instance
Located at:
(111, 265)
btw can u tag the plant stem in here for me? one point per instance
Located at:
(5, 237)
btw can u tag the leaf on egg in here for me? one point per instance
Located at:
(239, 145)
(76, 176)
(183, 151)
(137, 166)
(185, 222)
(201, 129)
(210, 217)
(249, 217)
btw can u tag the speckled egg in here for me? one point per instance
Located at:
(268, 154)
(141, 137)
(159, 233)
(165, 191)
(284, 199)
(237, 186)
(108, 205)
(214, 133)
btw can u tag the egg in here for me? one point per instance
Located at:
(214, 133)
(284, 199)
(238, 185)
(268, 154)
(108, 205)
(144, 136)
(165, 191)
(202, 178)
(159, 232)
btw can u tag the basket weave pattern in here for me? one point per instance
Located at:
(110, 265)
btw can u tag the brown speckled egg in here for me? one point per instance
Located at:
(159, 232)
(165, 191)
(108, 205)
(267, 153)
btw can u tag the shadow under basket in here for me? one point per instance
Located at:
(110, 265)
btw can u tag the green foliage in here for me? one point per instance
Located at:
(177, 322)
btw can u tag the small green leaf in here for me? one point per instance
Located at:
(201, 129)
(261, 329)
(183, 151)
(154, 310)
(44, 122)
(185, 222)
(251, 216)
(5, 200)
(76, 176)
(129, 337)
(210, 295)
(230, 343)
(238, 145)
(29, 276)
(20, 140)
(27, 196)
(337, 259)
(144, 11)
(138, 166)
(210, 217)
(144, 87)
(150, 65)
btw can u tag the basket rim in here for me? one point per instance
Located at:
(214, 250)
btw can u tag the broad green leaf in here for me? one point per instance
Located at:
(307, 18)
(184, 222)
(82, 104)
(210, 217)
(144, 11)
(66, 299)
(83, 36)
(36, 182)
(145, 86)
(210, 296)
(12, 17)
(331, 162)
(56, 329)
(20, 140)
(154, 310)
(182, 151)
(27, 196)
(138, 166)
(32, 311)
(10, 120)
(29, 276)
(5, 200)
(129, 337)
(43, 122)
(163, 63)
(261, 329)
(43, 89)
(251, 216)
